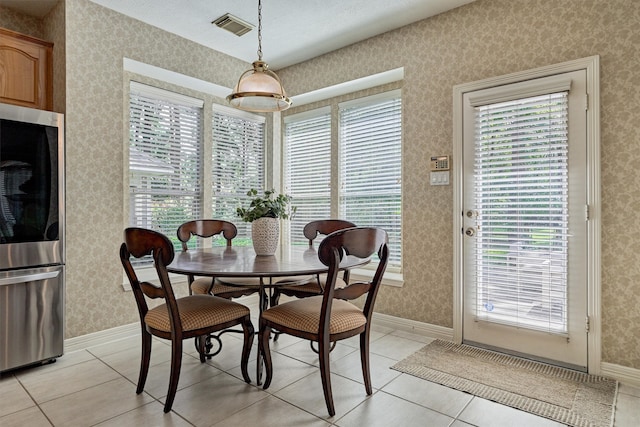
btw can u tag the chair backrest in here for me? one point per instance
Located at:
(359, 242)
(139, 242)
(206, 228)
(325, 227)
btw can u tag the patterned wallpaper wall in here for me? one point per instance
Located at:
(483, 39)
(490, 38)
(97, 39)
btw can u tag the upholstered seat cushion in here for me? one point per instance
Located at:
(312, 286)
(201, 285)
(304, 315)
(196, 311)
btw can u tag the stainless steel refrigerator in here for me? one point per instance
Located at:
(31, 236)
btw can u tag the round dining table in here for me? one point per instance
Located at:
(288, 266)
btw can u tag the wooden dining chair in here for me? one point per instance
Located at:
(315, 286)
(193, 316)
(330, 317)
(221, 287)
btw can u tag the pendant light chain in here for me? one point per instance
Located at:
(259, 30)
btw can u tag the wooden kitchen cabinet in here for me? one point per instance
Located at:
(26, 70)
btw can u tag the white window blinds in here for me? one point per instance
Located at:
(371, 166)
(308, 170)
(521, 189)
(165, 165)
(237, 165)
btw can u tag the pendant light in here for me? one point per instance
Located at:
(259, 89)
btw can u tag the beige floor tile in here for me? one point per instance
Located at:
(351, 367)
(395, 347)
(66, 360)
(302, 351)
(111, 347)
(629, 389)
(215, 399)
(286, 371)
(149, 415)
(384, 410)
(484, 413)
(355, 340)
(127, 361)
(191, 372)
(94, 405)
(431, 395)
(31, 417)
(13, 397)
(45, 385)
(272, 412)
(307, 394)
(627, 411)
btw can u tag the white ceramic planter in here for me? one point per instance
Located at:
(265, 233)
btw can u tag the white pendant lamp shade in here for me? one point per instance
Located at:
(259, 89)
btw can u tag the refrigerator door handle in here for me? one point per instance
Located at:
(28, 278)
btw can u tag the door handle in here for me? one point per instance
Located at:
(470, 231)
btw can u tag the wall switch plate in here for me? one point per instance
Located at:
(439, 178)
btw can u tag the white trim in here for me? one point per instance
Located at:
(526, 89)
(307, 114)
(108, 335)
(175, 78)
(367, 100)
(412, 326)
(230, 111)
(627, 376)
(155, 92)
(362, 83)
(594, 285)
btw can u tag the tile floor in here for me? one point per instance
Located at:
(96, 387)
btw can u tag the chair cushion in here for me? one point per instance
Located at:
(312, 286)
(201, 285)
(196, 311)
(304, 315)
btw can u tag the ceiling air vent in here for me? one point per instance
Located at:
(233, 24)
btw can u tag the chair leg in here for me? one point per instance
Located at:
(325, 372)
(144, 360)
(248, 330)
(265, 352)
(176, 362)
(364, 359)
(200, 345)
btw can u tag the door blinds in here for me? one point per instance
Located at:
(521, 188)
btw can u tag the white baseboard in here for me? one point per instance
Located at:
(627, 376)
(413, 326)
(113, 334)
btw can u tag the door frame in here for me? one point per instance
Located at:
(592, 105)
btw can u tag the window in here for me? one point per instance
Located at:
(165, 164)
(367, 188)
(371, 166)
(308, 139)
(168, 173)
(237, 164)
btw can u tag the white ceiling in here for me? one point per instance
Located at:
(292, 30)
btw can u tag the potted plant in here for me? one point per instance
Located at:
(264, 213)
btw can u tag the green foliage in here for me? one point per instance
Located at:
(269, 205)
